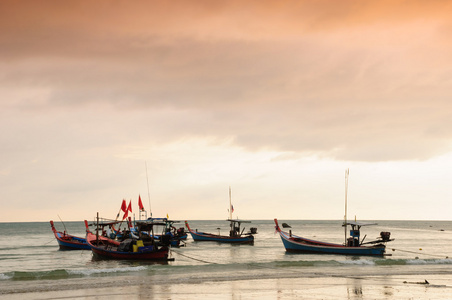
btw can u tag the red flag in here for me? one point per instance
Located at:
(125, 215)
(124, 205)
(129, 208)
(140, 204)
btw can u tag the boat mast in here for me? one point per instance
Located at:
(231, 232)
(230, 205)
(345, 216)
(97, 229)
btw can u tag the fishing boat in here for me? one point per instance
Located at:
(69, 242)
(235, 236)
(145, 247)
(353, 244)
(236, 233)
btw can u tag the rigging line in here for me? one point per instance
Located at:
(416, 252)
(48, 242)
(63, 223)
(204, 261)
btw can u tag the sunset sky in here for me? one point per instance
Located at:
(273, 98)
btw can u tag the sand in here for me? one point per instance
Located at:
(399, 287)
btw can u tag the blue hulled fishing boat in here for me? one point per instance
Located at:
(236, 233)
(354, 245)
(67, 241)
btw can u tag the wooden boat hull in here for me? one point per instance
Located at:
(69, 242)
(160, 255)
(74, 243)
(297, 244)
(105, 248)
(203, 236)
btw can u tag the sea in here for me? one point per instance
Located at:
(418, 265)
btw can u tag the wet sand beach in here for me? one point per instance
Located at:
(378, 287)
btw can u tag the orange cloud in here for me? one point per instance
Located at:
(333, 77)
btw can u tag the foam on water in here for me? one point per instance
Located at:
(445, 261)
(358, 262)
(3, 276)
(89, 272)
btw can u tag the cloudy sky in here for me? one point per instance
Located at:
(273, 98)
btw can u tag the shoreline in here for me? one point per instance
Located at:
(142, 287)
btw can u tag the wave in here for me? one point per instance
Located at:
(10, 256)
(64, 274)
(358, 262)
(25, 247)
(89, 272)
(34, 275)
(4, 276)
(208, 268)
(443, 261)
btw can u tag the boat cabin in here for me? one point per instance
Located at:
(236, 230)
(169, 227)
(355, 239)
(152, 231)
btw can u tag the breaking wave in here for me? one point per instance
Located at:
(63, 274)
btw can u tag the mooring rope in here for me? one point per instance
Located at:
(339, 276)
(200, 260)
(416, 252)
(49, 242)
(393, 249)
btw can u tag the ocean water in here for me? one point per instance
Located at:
(32, 265)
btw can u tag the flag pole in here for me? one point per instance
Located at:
(119, 212)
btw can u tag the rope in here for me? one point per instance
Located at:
(416, 252)
(393, 249)
(200, 260)
(338, 276)
(49, 242)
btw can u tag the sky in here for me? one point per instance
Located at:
(176, 101)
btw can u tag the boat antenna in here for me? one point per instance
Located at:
(230, 204)
(149, 194)
(345, 216)
(63, 223)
